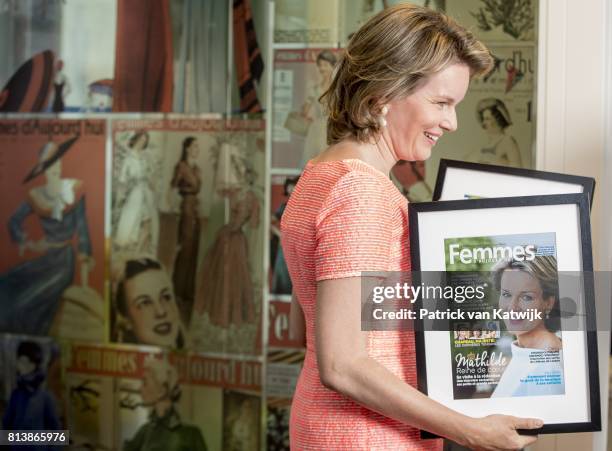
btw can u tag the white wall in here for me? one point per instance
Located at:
(573, 135)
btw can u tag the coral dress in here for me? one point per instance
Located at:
(343, 218)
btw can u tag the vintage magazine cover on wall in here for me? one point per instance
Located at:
(495, 119)
(76, 74)
(52, 235)
(32, 384)
(187, 196)
(501, 355)
(299, 126)
(156, 398)
(357, 12)
(496, 20)
(312, 22)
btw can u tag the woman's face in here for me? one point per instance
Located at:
(141, 142)
(24, 365)
(462, 335)
(151, 390)
(193, 150)
(520, 291)
(152, 308)
(325, 69)
(489, 123)
(476, 334)
(416, 122)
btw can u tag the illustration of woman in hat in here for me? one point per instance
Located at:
(161, 392)
(31, 292)
(501, 148)
(137, 227)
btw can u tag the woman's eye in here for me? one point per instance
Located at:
(144, 303)
(526, 298)
(505, 294)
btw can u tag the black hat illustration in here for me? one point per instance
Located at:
(29, 88)
(49, 154)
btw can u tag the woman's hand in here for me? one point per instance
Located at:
(498, 433)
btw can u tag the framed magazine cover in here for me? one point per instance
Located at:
(463, 180)
(529, 254)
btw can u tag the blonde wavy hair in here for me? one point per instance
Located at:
(388, 58)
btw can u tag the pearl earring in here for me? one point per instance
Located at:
(381, 119)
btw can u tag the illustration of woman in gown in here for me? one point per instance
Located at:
(281, 281)
(137, 226)
(500, 148)
(225, 287)
(61, 88)
(187, 179)
(31, 293)
(316, 136)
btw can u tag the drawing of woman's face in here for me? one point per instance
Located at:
(325, 69)
(151, 389)
(141, 142)
(520, 291)
(489, 123)
(54, 172)
(152, 309)
(24, 365)
(193, 150)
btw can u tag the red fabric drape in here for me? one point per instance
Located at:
(247, 56)
(143, 56)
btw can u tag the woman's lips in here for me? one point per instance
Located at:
(163, 328)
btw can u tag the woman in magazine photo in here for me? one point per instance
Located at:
(145, 307)
(393, 95)
(523, 285)
(500, 148)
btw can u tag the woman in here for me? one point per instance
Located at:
(188, 180)
(31, 406)
(226, 291)
(161, 391)
(500, 149)
(145, 306)
(392, 97)
(31, 293)
(281, 282)
(138, 223)
(524, 285)
(312, 110)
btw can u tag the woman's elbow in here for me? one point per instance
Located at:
(334, 374)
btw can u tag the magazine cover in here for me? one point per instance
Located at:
(312, 22)
(496, 117)
(52, 235)
(211, 379)
(33, 384)
(496, 20)
(241, 421)
(509, 342)
(278, 278)
(299, 126)
(71, 44)
(357, 12)
(187, 196)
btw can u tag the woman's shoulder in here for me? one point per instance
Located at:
(352, 173)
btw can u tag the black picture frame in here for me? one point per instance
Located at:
(446, 165)
(581, 201)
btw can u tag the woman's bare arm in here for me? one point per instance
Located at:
(345, 367)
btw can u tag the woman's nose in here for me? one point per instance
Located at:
(160, 310)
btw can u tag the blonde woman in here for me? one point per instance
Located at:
(525, 285)
(393, 95)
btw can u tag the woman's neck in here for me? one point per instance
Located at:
(539, 338)
(378, 154)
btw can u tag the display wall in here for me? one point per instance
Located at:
(189, 187)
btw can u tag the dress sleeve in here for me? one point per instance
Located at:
(354, 228)
(15, 224)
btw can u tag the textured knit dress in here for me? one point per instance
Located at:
(343, 218)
